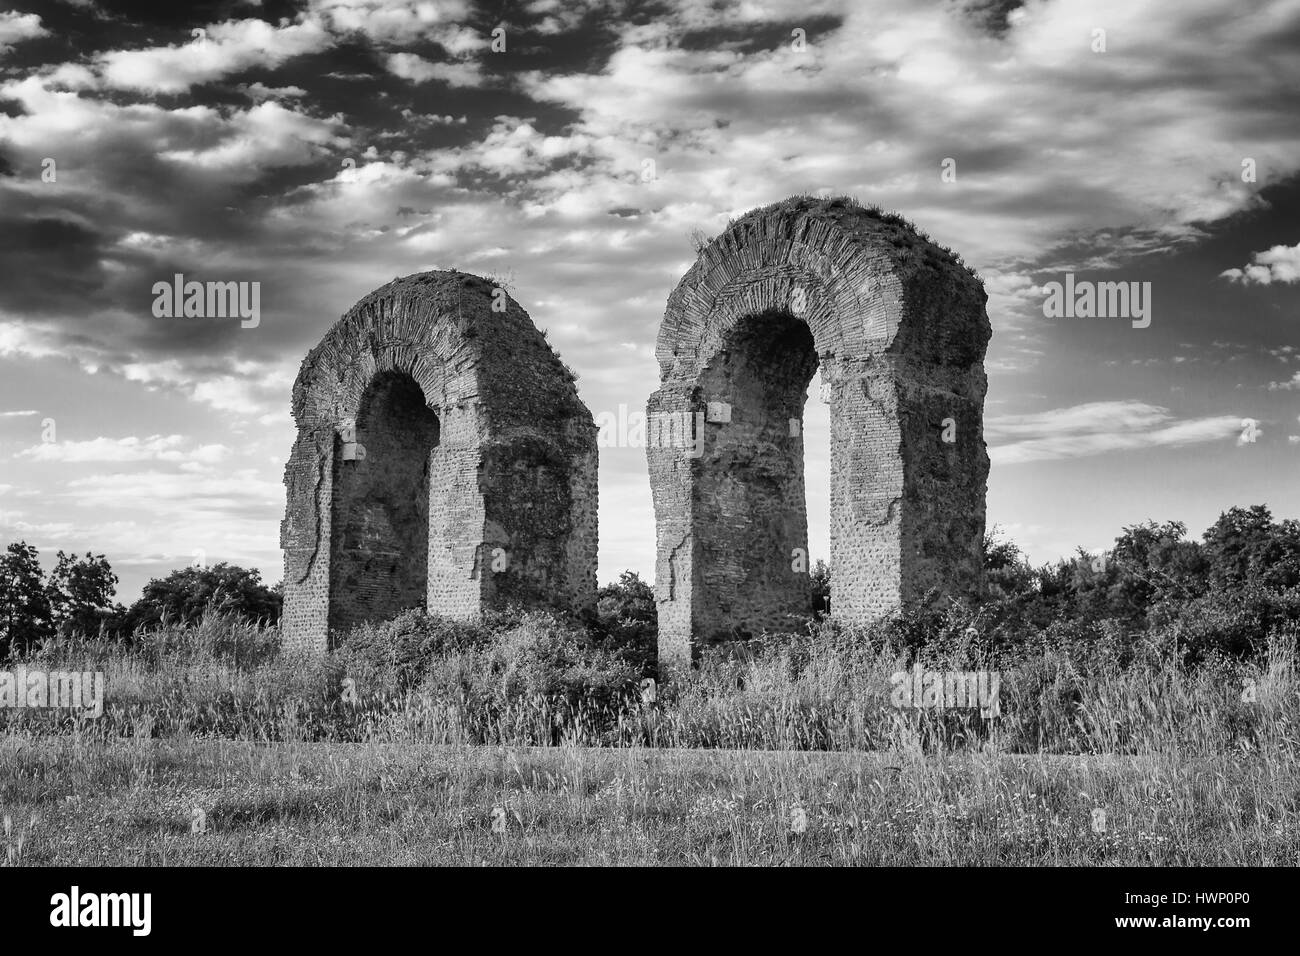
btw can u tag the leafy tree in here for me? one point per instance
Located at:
(1007, 572)
(631, 599)
(1246, 546)
(627, 621)
(185, 594)
(820, 579)
(24, 605)
(80, 592)
(1150, 563)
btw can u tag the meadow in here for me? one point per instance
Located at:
(193, 802)
(527, 740)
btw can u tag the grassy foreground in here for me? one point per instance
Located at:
(417, 742)
(144, 802)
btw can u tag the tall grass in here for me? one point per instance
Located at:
(536, 679)
(137, 802)
(216, 749)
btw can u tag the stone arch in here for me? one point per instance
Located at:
(443, 457)
(898, 327)
(379, 523)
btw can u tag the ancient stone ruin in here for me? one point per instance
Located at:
(899, 330)
(443, 459)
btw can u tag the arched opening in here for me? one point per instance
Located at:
(379, 539)
(817, 488)
(752, 521)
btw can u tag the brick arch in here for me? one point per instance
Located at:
(379, 516)
(510, 480)
(899, 330)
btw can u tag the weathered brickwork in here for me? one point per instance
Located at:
(443, 459)
(899, 330)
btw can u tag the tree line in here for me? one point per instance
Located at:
(76, 597)
(1223, 593)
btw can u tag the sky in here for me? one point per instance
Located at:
(323, 147)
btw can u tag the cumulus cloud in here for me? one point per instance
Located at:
(16, 27)
(417, 69)
(260, 91)
(267, 135)
(244, 388)
(1278, 264)
(224, 48)
(562, 16)
(514, 147)
(871, 106)
(1095, 428)
(893, 89)
(394, 21)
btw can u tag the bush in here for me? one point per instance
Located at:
(539, 661)
(1231, 622)
(396, 655)
(627, 622)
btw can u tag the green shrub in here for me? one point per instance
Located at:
(1233, 622)
(395, 655)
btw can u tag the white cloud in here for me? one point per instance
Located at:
(461, 41)
(1099, 427)
(394, 21)
(266, 135)
(1278, 264)
(28, 342)
(16, 27)
(260, 91)
(230, 145)
(513, 147)
(179, 493)
(417, 69)
(226, 48)
(884, 97)
(241, 388)
(561, 16)
(169, 448)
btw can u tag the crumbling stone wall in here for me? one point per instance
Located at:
(898, 328)
(443, 459)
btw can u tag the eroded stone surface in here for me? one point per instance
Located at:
(443, 459)
(899, 330)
